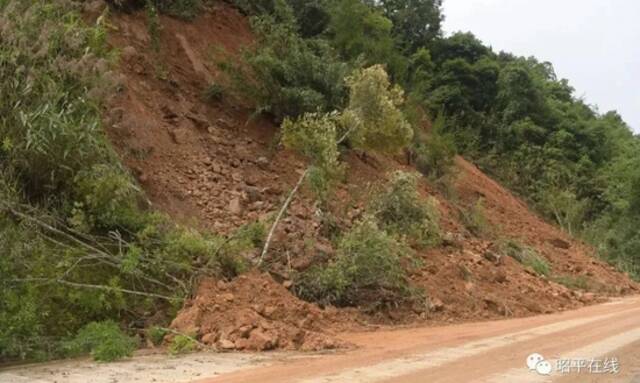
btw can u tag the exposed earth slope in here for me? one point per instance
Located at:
(211, 165)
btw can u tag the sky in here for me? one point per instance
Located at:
(595, 44)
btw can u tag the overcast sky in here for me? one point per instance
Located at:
(593, 43)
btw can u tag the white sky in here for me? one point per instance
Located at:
(595, 44)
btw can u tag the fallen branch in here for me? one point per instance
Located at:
(284, 207)
(97, 287)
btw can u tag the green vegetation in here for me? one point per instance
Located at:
(78, 243)
(103, 340)
(400, 210)
(367, 270)
(579, 282)
(526, 255)
(511, 115)
(182, 344)
(475, 219)
(81, 251)
(156, 335)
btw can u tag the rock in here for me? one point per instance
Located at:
(269, 311)
(435, 304)
(261, 341)
(209, 338)
(116, 114)
(253, 193)
(262, 162)
(129, 52)
(199, 120)
(235, 206)
(227, 297)
(226, 344)
(244, 331)
(588, 297)
(493, 257)
(500, 276)
(560, 243)
(179, 135)
(241, 344)
(287, 284)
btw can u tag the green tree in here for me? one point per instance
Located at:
(373, 113)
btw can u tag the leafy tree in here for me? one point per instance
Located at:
(416, 23)
(373, 112)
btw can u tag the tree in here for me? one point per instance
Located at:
(373, 112)
(416, 23)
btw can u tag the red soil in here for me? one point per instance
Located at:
(208, 164)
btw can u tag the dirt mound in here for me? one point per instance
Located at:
(253, 312)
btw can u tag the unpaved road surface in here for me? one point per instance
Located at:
(473, 352)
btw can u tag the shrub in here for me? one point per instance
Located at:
(475, 219)
(104, 340)
(287, 75)
(214, 92)
(400, 210)
(434, 152)
(369, 269)
(373, 113)
(184, 9)
(156, 335)
(50, 127)
(182, 344)
(314, 136)
(527, 256)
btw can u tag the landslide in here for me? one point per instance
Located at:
(215, 166)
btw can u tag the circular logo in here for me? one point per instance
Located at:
(533, 360)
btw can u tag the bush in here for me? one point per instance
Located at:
(373, 113)
(400, 210)
(55, 130)
(156, 335)
(287, 75)
(314, 136)
(369, 270)
(182, 344)
(435, 152)
(104, 340)
(527, 256)
(475, 219)
(214, 92)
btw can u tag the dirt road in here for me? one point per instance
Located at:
(474, 352)
(478, 352)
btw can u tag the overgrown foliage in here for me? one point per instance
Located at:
(78, 243)
(103, 340)
(402, 211)
(374, 114)
(474, 218)
(287, 75)
(369, 270)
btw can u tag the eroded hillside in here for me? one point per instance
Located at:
(211, 164)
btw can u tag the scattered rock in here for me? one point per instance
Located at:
(560, 243)
(226, 344)
(261, 341)
(179, 135)
(128, 53)
(235, 206)
(262, 162)
(493, 257)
